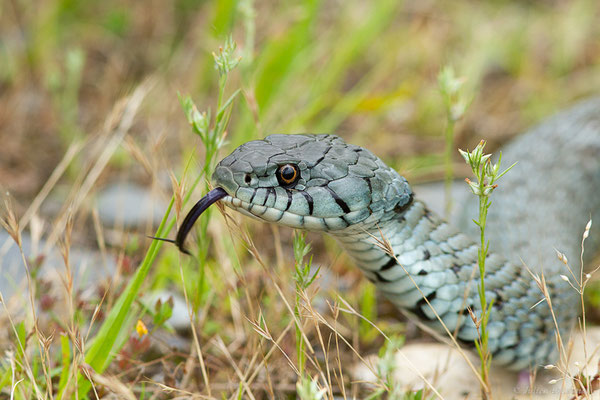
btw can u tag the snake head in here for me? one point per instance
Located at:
(312, 182)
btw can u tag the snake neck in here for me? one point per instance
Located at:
(434, 267)
(414, 255)
(408, 244)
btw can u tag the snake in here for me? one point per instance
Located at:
(424, 265)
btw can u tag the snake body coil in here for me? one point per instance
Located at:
(321, 183)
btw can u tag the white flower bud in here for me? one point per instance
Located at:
(474, 187)
(586, 233)
(562, 257)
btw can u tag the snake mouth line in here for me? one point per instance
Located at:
(264, 213)
(289, 219)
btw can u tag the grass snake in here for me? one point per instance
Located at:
(321, 183)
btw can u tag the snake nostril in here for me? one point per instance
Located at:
(247, 179)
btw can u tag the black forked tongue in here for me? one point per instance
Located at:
(210, 198)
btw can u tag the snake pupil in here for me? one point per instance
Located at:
(287, 174)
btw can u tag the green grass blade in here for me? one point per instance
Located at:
(105, 343)
(5, 377)
(278, 58)
(66, 364)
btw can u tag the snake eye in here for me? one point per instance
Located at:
(287, 174)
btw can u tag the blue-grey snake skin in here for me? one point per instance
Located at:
(321, 183)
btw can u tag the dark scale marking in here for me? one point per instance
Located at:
(422, 272)
(269, 191)
(309, 200)
(455, 268)
(263, 212)
(318, 161)
(355, 162)
(322, 158)
(252, 197)
(265, 200)
(400, 209)
(381, 278)
(369, 184)
(426, 254)
(514, 346)
(279, 218)
(289, 202)
(338, 200)
(418, 308)
(343, 217)
(391, 263)
(274, 155)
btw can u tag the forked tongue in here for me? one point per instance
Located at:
(210, 198)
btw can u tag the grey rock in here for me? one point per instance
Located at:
(129, 204)
(87, 266)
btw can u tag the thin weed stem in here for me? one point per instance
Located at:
(452, 90)
(486, 174)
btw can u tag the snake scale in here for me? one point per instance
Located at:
(321, 183)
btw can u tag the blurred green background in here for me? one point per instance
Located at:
(363, 69)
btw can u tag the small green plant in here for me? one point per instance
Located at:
(303, 279)
(455, 106)
(386, 365)
(385, 368)
(162, 311)
(308, 389)
(486, 174)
